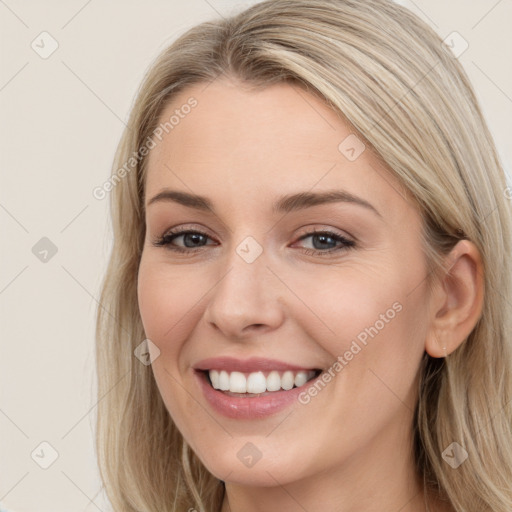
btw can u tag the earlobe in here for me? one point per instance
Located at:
(456, 304)
(436, 344)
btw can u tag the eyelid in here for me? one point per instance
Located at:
(185, 228)
(181, 231)
(308, 230)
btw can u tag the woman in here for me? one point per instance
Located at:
(306, 302)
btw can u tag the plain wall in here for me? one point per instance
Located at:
(61, 119)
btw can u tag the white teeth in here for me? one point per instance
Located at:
(223, 381)
(256, 382)
(301, 378)
(287, 380)
(273, 381)
(214, 377)
(237, 383)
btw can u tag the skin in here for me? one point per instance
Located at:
(349, 448)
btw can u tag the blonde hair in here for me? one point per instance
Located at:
(389, 76)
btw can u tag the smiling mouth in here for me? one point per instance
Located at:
(260, 383)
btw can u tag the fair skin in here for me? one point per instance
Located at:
(349, 448)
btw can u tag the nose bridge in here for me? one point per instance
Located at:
(247, 265)
(245, 297)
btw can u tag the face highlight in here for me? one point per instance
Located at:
(267, 240)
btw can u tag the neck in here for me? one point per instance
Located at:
(311, 497)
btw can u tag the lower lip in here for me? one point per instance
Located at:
(249, 408)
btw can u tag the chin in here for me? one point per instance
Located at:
(252, 463)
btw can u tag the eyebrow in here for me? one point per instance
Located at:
(284, 204)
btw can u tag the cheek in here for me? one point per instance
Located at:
(372, 321)
(351, 303)
(169, 304)
(167, 301)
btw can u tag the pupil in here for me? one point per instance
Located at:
(193, 237)
(323, 239)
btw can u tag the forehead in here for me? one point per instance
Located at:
(231, 114)
(241, 141)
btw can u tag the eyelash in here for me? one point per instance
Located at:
(165, 241)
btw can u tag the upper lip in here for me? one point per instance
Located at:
(247, 365)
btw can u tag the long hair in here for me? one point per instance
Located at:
(389, 76)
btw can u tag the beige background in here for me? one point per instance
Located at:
(61, 118)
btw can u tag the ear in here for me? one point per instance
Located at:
(456, 304)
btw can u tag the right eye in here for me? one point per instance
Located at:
(191, 239)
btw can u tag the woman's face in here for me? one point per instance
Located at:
(251, 290)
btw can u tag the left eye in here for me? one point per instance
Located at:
(325, 242)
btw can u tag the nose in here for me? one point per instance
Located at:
(246, 301)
